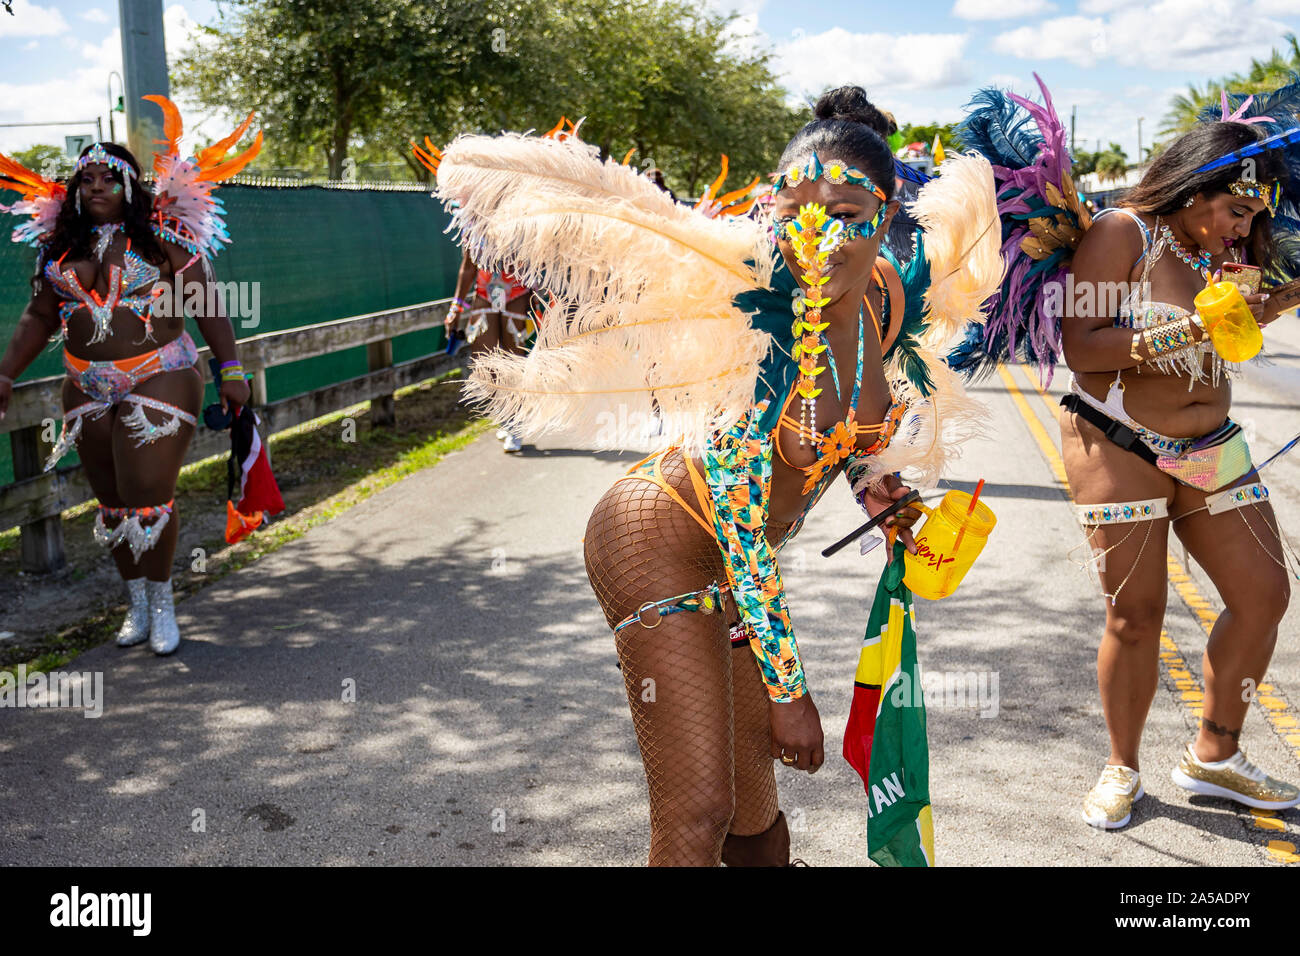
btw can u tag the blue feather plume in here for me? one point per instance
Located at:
(1000, 130)
(1277, 141)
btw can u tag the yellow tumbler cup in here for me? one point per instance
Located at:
(1233, 330)
(948, 544)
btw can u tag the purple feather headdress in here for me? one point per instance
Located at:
(1042, 223)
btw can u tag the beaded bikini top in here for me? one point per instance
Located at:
(129, 286)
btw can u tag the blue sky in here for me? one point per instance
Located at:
(1116, 60)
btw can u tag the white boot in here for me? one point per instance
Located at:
(164, 634)
(136, 626)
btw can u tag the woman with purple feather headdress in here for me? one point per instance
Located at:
(1145, 432)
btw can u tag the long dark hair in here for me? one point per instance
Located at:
(72, 229)
(847, 127)
(1171, 180)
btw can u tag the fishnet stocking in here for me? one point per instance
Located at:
(705, 764)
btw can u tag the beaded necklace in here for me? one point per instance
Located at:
(1200, 263)
(813, 245)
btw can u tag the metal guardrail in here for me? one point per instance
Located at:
(36, 500)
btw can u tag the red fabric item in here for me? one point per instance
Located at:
(861, 729)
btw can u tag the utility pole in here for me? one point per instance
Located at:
(144, 69)
(112, 107)
(1074, 116)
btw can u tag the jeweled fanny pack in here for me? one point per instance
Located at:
(1212, 461)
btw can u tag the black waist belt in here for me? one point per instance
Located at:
(1117, 432)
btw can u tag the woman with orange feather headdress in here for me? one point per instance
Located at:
(109, 246)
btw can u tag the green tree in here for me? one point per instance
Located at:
(657, 76)
(1084, 163)
(334, 78)
(1111, 163)
(320, 72)
(43, 158)
(947, 133)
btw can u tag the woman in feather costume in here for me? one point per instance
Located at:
(1145, 432)
(662, 308)
(114, 257)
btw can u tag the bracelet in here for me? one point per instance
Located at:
(1169, 337)
(233, 363)
(233, 373)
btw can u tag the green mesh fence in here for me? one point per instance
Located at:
(318, 253)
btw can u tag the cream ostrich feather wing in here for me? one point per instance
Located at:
(963, 244)
(640, 321)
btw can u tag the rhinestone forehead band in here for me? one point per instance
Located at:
(1271, 193)
(835, 171)
(99, 155)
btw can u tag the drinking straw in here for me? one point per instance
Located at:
(969, 511)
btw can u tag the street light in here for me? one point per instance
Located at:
(114, 107)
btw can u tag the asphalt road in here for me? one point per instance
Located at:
(428, 680)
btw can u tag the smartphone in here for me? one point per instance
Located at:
(1246, 278)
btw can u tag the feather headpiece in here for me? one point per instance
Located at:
(185, 211)
(1042, 223)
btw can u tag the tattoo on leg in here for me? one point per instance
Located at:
(1219, 730)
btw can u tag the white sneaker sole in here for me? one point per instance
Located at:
(1214, 790)
(1103, 823)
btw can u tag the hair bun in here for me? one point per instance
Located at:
(850, 103)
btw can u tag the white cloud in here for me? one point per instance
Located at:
(1077, 39)
(1182, 35)
(999, 9)
(29, 20)
(31, 44)
(1102, 6)
(95, 15)
(808, 65)
(179, 31)
(1279, 7)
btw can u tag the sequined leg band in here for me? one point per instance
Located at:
(71, 430)
(1125, 512)
(144, 431)
(1234, 499)
(139, 537)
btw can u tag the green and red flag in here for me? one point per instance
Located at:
(885, 740)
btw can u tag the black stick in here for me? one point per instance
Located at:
(895, 508)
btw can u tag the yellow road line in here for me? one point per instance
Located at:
(1191, 693)
(1045, 443)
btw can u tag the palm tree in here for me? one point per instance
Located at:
(1262, 76)
(1184, 109)
(1112, 163)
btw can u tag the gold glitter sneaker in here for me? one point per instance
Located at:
(1109, 805)
(1236, 779)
